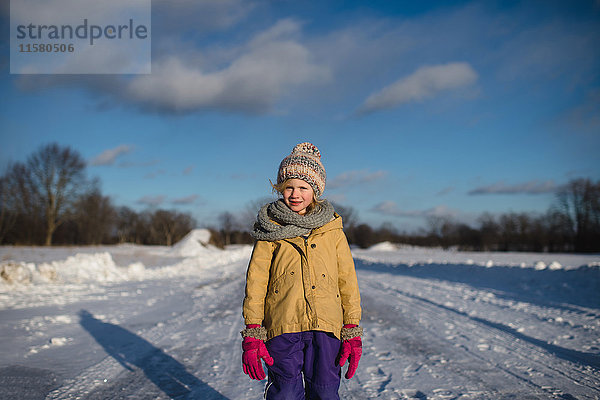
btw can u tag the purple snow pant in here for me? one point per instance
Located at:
(312, 353)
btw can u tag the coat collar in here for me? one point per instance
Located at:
(335, 223)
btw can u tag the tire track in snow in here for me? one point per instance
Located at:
(537, 368)
(582, 362)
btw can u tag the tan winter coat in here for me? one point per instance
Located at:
(296, 285)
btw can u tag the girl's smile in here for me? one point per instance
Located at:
(298, 195)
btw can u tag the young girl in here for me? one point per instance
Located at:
(302, 295)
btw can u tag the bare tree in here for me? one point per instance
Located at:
(559, 233)
(228, 224)
(247, 217)
(364, 236)
(579, 201)
(348, 214)
(8, 214)
(127, 219)
(490, 231)
(95, 217)
(170, 226)
(49, 183)
(21, 197)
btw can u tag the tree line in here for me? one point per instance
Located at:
(48, 199)
(571, 224)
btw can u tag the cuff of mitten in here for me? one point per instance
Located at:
(351, 333)
(259, 333)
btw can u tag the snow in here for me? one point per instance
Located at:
(384, 246)
(157, 322)
(193, 244)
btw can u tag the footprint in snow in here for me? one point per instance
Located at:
(385, 356)
(413, 394)
(378, 380)
(443, 394)
(412, 369)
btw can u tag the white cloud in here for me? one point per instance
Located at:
(193, 72)
(356, 177)
(248, 78)
(185, 200)
(177, 16)
(272, 63)
(130, 164)
(152, 201)
(531, 187)
(58, 12)
(108, 157)
(425, 82)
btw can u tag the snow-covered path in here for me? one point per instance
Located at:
(452, 340)
(435, 329)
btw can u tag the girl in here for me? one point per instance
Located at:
(302, 295)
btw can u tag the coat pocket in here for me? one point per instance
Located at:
(282, 300)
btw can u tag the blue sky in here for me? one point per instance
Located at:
(446, 108)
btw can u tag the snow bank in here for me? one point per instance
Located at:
(101, 268)
(13, 272)
(98, 267)
(194, 244)
(80, 268)
(384, 246)
(396, 254)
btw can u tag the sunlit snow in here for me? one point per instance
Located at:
(157, 322)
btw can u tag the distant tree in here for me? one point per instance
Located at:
(386, 233)
(168, 227)
(348, 214)
(466, 238)
(537, 234)
(228, 225)
(144, 233)
(490, 232)
(579, 202)
(364, 236)
(47, 185)
(127, 225)
(439, 229)
(509, 232)
(20, 195)
(8, 214)
(247, 217)
(95, 217)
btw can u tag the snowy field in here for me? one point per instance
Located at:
(149, 322)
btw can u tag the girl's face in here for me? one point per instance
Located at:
(298, 195)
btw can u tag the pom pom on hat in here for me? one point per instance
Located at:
(308, 148)
(304, 163)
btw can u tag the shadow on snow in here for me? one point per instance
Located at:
(131, 350)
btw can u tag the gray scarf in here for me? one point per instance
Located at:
(277, 221)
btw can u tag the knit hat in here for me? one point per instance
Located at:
(304, 163)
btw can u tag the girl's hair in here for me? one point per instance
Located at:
(280, 187)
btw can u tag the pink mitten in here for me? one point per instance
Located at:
(351, 348)
(254, 349)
